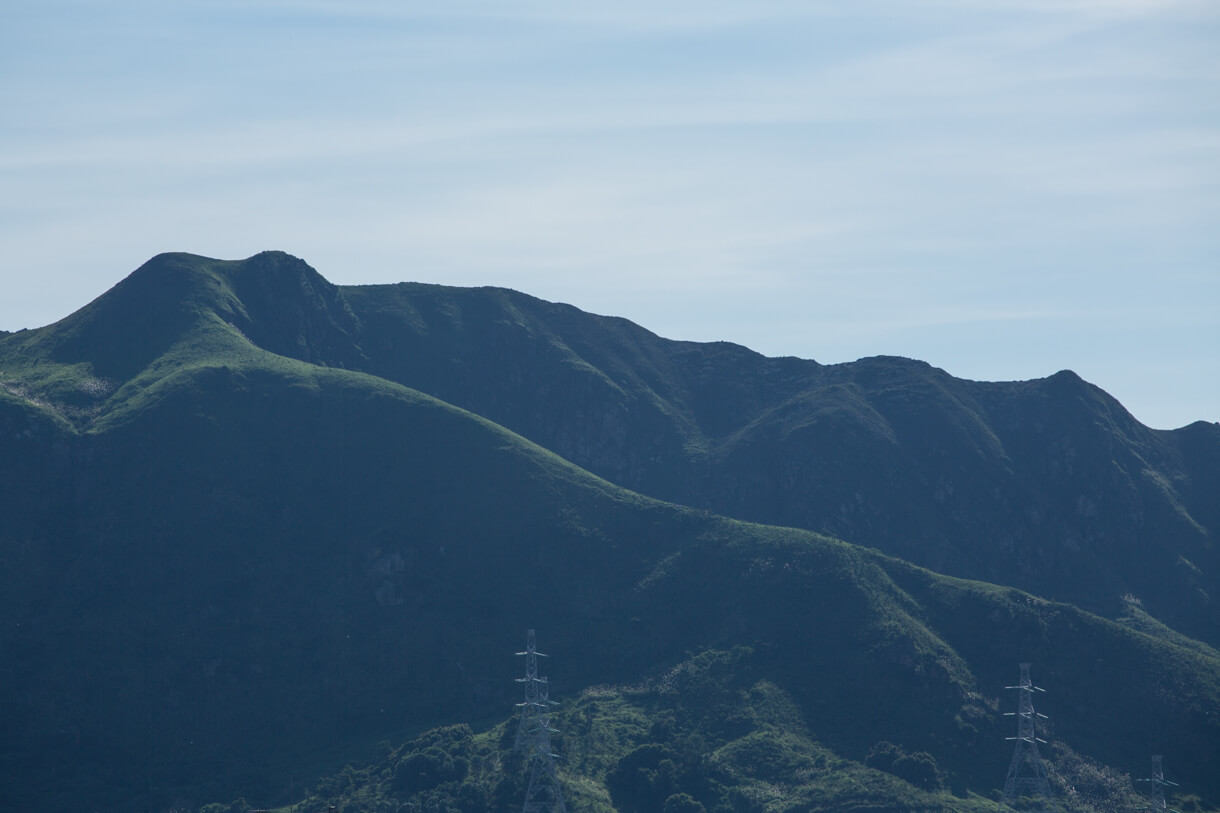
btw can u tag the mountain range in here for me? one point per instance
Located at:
(255, 523)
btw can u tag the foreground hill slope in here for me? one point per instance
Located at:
(226, 557)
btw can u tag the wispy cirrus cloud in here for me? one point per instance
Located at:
(906, 174)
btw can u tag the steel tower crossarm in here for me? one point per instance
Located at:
(1026, 773)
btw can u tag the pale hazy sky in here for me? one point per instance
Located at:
(1003, 188)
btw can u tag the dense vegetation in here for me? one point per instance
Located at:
(239, 551)
(707, 736)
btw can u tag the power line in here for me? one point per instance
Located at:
(1156, 802)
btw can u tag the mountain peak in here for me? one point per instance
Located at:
(285, 306)
(126, 328)
(277, 301)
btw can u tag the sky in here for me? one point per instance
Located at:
(1001, 188)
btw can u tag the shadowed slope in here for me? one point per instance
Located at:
(222, 559)
(270, 562)
(1049, 485)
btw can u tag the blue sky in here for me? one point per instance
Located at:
(1003, 188)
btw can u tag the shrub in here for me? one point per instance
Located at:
(682, 803)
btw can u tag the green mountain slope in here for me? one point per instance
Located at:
(232, 557)
(1046, 485)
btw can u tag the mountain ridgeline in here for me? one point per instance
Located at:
(255, 522)
(1047, 485)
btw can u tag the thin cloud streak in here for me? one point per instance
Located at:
(720, 171)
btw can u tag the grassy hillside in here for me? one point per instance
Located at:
(233, 558)
(1047, 485)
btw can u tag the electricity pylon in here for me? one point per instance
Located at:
(533, 705)
(1158, 782)
(1026, 773)
(534, 737)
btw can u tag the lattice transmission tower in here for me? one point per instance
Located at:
(1158, 782)
(534, 737)
(532, 706)
(1026, 773)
